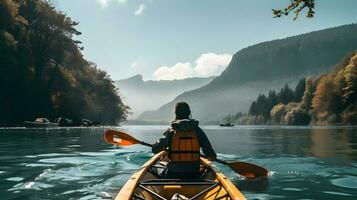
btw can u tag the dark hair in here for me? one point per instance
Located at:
(182, 110)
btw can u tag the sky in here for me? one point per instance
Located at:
(175, 39)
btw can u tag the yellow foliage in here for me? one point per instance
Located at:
(339, 81)
(324, 94)
(350, 76)
(277, 113)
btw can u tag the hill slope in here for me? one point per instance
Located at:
(261, 67)
(143, 95)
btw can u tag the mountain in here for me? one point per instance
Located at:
(143, 95)
(261, 67)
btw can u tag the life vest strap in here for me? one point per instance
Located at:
(178, 152)
(185, 138)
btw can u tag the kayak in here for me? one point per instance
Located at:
(146, 184)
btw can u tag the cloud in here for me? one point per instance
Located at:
(105, 3)
(140, 9)
(209, 64)
(178, 71)
(134, 64)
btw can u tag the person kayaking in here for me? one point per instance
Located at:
(184, 139)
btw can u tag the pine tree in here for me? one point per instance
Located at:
(261, 104)
(299, 90)
(253, 108)
(306, 100)
(286, 95)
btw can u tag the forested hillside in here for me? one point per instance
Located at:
(263, 67)
(43, 72)
(308, 53)
(327, 99)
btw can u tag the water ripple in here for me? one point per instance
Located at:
(303, 163)
(347, 182)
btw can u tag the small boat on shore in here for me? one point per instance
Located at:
(64, 122)
(87, 122)
(40, 123)
(226, 125)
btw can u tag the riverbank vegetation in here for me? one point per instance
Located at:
(330, 98)
(43, 72)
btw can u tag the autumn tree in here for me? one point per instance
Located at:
(43, 72)
(324, 104)
(350, 90)
(297, 116)
(339, 84)
(278, 113)
(297, 6)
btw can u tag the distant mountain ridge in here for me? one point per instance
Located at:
(261, 67)
(143, 95)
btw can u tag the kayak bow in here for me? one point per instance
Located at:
(146, 184)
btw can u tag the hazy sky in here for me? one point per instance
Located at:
(168, 39)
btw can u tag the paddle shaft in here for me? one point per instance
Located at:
(146, 144)
(245, 169)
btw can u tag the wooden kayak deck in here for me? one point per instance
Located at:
(146, 184)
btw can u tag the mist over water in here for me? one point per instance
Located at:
(304, 162)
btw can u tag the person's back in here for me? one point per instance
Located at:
(183, 140)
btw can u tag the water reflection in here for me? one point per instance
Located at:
(333, 143)
(316, 142)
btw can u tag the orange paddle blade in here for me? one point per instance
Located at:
(248, 170)
(119, 138)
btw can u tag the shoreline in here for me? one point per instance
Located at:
(203, 126)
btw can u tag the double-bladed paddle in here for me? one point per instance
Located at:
(245, 169)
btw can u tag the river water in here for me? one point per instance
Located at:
(303, 162)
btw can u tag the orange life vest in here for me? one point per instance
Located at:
(184, 146)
